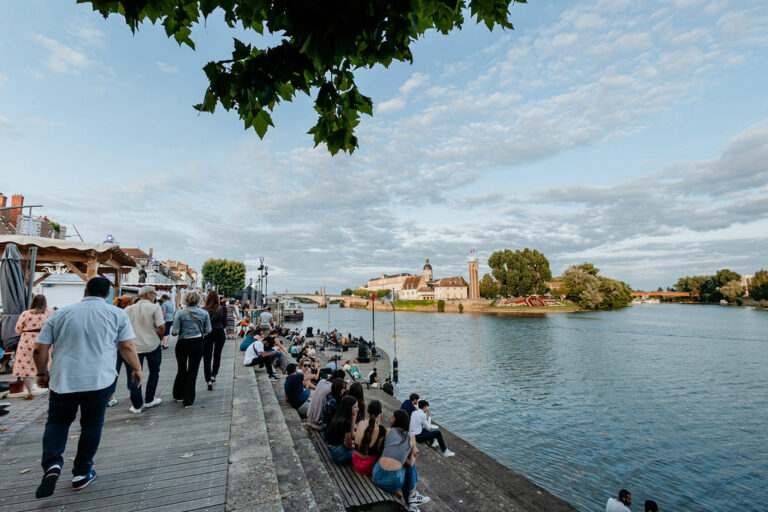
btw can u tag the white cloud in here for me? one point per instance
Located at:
(88, 34)
(393, 105)
(7, 130)
(166, 68)
(417, 80)
(62, 58)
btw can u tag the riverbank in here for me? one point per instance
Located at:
(470, 481)
(483, 306)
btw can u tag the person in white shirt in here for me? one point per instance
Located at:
(620, 505)
(258, 354)
(148, 322)
(421, 427)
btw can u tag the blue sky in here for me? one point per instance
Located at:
(633, 135)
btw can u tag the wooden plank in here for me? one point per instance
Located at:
(41, 279)
(73, 268)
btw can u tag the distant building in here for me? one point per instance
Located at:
(184, 273)
(746, 281)
(15, 222)
(148, 271)
(423, 287)
(474, 283)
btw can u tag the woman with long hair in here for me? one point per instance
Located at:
(338, 386)
(356, 390)
(341, 431)
(369, 440)
(395, 471)
(28, 326)
(190, 323)
(213, 343)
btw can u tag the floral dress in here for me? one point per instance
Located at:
(230, 321)
(28, 326)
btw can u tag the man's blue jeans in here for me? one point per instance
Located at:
(62, 409)
(154, 359)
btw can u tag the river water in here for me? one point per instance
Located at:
(667, 401)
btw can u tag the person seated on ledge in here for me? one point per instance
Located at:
(373, 378)
(410, 405)
(338, 387)
(346, 366)
(395, 471)
(260, 354)
(322, 390)
(620, 505)
(369, 440)
(341, 431)
(311, 372)
(354, 371)
(356, 390)
(250, 335)
(421, 428)
(387, 387)
(295, 394)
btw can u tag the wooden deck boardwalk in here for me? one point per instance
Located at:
(165, 459)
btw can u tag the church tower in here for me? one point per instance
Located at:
(427, 271)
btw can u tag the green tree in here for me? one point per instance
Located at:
(461, 307)
(725, 276)
(228, 276)
(520, 273)
(582, 287)
(309, 47)
(488, 287)
(362, 292)
(441, 306)
(732, 290)
(347, 291)
(616, 294)
(692, 284)
(758, 288)
(589, 268)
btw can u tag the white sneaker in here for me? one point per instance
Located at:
(112, 402)
(435, 444)
(418, 499)
(153, 403)
(135, 411)
(413, 508)
(448, 453)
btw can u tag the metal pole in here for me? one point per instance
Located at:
(395, 370)
(373, 319)
(31, 264)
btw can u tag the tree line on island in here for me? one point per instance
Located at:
(526, 272)
(725, 284)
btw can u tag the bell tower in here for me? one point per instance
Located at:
(427, 271)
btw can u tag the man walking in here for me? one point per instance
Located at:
(148, 324)
(168, 310)
(85, 337)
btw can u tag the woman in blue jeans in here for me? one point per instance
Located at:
(395, 471)
(341, 431)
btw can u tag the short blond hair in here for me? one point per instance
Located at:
(191, 299)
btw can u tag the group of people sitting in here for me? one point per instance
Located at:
(625, 500)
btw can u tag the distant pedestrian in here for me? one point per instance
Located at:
(168, 310)
(86, 338)
(213, 343)
(28, 326)
(231, 318)
(620, 505)
(148, 323)
(190, 324)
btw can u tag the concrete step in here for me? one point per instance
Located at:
(252, 483)
(293, 484)
(323, 489)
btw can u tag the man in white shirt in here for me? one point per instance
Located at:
(620, 505)
(148, 322)
(257, 354)
(421, 427)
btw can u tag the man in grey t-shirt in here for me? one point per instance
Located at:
(86, 338)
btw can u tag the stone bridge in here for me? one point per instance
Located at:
(320, 300)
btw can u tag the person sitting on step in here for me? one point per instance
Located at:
(295, 393)
(338, 388)
(322, 390)
(395, 471)
(369, 440)
(341, 431)
(421, 428)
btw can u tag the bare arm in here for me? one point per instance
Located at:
(40, 355)
(128, 352)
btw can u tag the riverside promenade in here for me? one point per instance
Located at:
(241, 448)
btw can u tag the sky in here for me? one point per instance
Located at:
(633, 135)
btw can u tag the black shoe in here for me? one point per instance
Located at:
(210, 387)
(213, 378)
(48, 483)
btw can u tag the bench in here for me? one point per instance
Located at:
(358, 492)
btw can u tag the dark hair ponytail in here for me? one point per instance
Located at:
(402, 422)
(374, 409)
